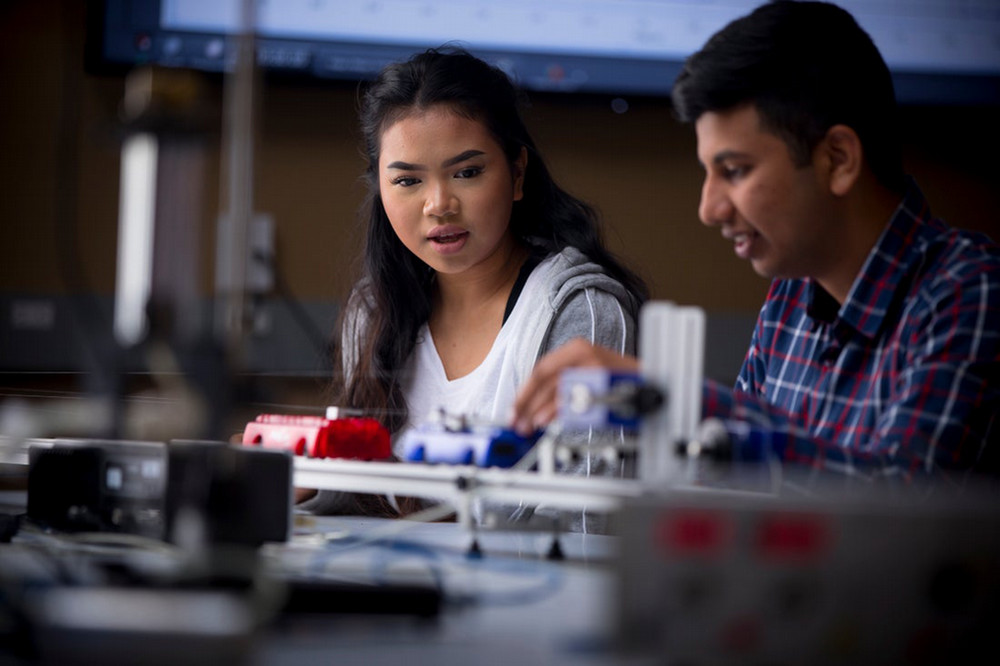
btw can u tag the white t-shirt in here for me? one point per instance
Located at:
(565, 297)
(487, 393)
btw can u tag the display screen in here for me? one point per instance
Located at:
(940, 51)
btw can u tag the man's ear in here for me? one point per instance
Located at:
(844, 158)
(520, 165)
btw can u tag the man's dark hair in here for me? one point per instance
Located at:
(805, 66)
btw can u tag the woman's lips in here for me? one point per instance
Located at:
(448, 240)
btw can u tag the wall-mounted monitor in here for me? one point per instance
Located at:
(941, 51)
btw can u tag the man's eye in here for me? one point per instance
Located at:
(734, 172)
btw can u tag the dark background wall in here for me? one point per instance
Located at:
(59, 177)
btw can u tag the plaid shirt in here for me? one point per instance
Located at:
(902, 379)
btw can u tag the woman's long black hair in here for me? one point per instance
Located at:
(393, 296)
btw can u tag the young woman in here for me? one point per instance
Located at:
(476, 262)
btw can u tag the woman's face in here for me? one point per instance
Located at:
(448, 190)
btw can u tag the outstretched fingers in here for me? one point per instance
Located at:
(537, 402)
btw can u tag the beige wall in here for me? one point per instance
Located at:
(59, 161)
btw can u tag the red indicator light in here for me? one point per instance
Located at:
(793, 537)
(693, 533)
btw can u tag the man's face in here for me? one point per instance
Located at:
(778, 215)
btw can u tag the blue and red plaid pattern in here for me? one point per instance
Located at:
(902, 379)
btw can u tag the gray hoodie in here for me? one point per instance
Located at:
(567, 297)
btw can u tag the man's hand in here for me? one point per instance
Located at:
(537, 401)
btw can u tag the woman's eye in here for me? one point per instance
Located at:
(469, 172)
(405, 181)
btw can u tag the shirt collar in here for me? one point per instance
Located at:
(884, 272)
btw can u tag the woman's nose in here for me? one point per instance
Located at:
(440, 201)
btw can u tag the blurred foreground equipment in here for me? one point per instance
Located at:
(856, 578)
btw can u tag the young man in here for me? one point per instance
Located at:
(878, 346)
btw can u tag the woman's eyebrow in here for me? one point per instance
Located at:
(451, 161)
(405, 166)
(461, 157)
